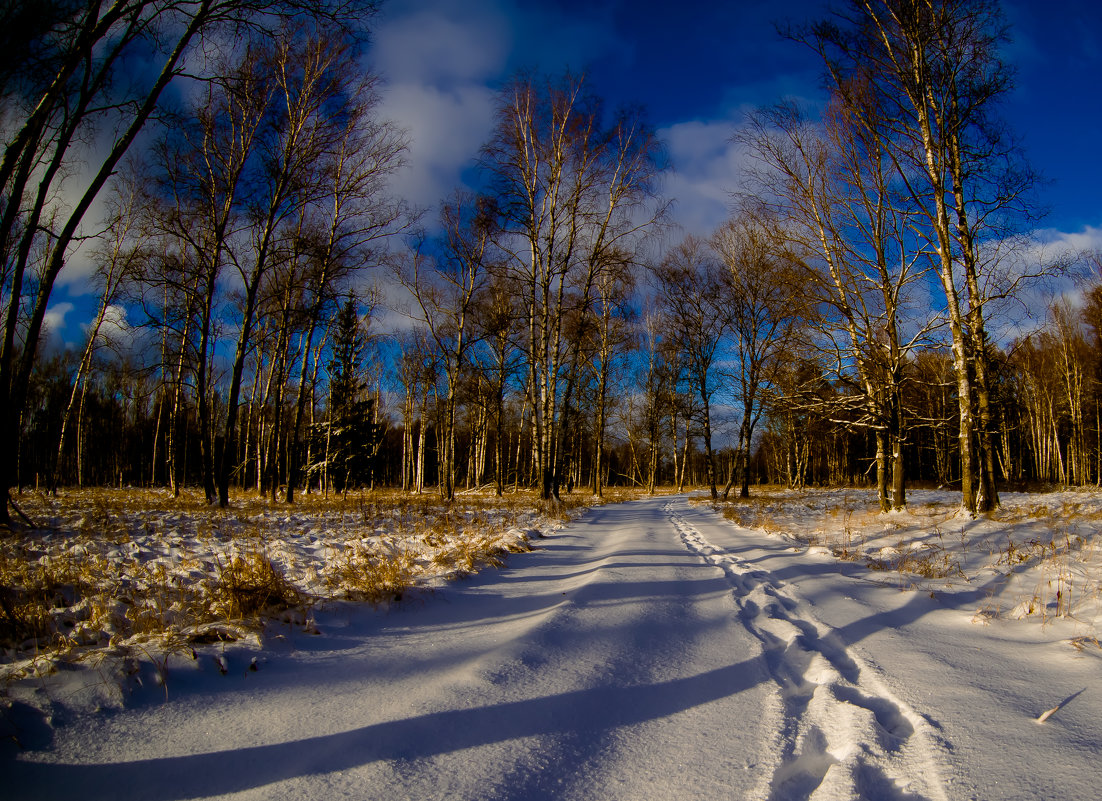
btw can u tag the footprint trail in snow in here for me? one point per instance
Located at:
(843, 733)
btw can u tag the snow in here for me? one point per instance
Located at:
(650, 649)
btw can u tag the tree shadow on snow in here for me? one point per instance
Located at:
(592, 712)
(584, 717)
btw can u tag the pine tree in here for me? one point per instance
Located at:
(347, 442)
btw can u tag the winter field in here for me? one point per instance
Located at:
(799, 645)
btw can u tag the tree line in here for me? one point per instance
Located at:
(553, 332)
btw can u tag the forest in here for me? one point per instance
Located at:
(270, 318)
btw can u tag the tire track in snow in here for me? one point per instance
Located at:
(844, 734)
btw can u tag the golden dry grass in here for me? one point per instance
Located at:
(78, 580)
(929, 562)
(373, 577)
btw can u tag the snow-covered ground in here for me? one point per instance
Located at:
(123, 567)
(651, 649)
(1037, 557)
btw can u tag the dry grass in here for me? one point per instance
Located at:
(1040, 549)
(467, 555)
(1055, 556)
(28, 592)
(1085, 642)
(89, 576)
(760, 511)
(373, 577)
(249, 586)
(928, 562)
(87, 600)
(1037, 549)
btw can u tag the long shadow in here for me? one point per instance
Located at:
(584, 716)
(595, 569)
(798, 569)
(590, 713)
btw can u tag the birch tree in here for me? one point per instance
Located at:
(446, 290)
(935, 74)
(851, 230)
(763, 304)
(71, 93)
(572, 193)
(690, 290)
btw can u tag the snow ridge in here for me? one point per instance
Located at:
(844, 734)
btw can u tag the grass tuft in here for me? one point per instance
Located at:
(251, 585)
(373, 576)
(928, 561)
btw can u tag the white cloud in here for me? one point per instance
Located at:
(1088, 239)
(437, 60)
(433, 47)
(708, 167)
(79, 270)
(441, 62)
(446, 128)
(1049, 267)
(114, 329)
(55, 316)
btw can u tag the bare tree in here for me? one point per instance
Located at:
(115, 264)
(658, 404)
(200, 168)
(445, 290)
(931, 74)
(417, 373)
(342, 229)
(851, 230)
(273, 188)
(611, 336)
(572, 194)
(690, 282)
(763, 304)
(70, 90)
(497, 362)
(297, 81)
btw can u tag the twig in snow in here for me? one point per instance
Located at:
(1048, 713)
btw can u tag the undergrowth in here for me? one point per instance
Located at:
(929, 562)
(108, 566)
(251, 585)
(373, 577)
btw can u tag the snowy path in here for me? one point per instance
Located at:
(843, 733)
(648, 650)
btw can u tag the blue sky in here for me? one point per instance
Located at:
(696, 67)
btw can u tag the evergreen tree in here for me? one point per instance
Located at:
(348, 441)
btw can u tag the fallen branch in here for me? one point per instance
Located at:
(18, 511)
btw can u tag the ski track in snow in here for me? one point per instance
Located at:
(844, 734)
(627, 657)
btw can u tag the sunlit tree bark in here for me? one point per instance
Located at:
(934, 71)
(571, 192)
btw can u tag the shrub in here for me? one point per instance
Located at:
(250, 585)
(373, 576)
